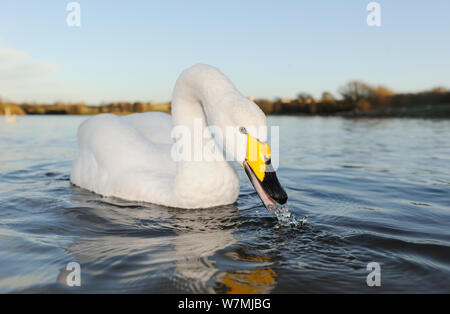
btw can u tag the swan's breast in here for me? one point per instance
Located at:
(206, 184)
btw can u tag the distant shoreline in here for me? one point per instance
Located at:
(441, 111)
(358, 99)
(427, 111)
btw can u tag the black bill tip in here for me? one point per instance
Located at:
(273, 187)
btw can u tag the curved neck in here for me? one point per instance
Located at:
(198, 93)
(196, 103)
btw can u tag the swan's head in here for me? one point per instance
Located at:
(258, 167)
(252, 151)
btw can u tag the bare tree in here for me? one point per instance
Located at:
(356, 90)
(327, 97)
(305, 98)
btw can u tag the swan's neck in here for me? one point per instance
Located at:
(198, 93)
(196, 100)
(199, 97)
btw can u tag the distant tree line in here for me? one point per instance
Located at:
(120, 108)
(355, 98)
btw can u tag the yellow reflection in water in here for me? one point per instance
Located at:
(250, 281)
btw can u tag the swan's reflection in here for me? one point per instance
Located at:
(210, 230)
(133, 246)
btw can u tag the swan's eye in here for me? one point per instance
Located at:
(243, 130)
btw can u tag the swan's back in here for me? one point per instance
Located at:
(156, 126)
(127, 157)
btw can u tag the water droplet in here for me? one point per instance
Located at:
(286, 218)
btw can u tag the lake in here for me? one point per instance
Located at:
(373, 190)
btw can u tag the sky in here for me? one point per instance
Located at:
(134, 50)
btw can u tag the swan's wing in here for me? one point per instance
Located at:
(117, 158)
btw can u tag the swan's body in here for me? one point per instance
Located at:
(130, 157)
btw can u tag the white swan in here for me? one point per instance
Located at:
(131, 157)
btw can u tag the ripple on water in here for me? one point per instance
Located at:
(369, 197)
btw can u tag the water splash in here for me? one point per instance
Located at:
(286, 218)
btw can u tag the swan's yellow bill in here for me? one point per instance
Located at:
(259, 169)
(257, 155)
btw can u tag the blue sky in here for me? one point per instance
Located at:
(134, 50)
